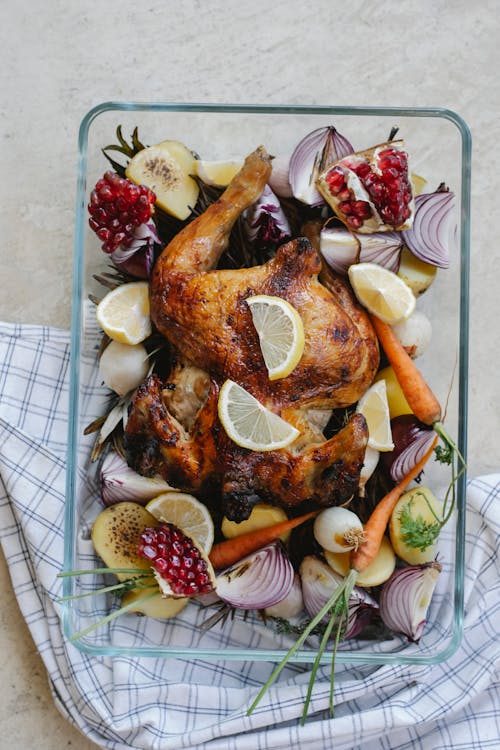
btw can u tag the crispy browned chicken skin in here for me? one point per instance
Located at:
(173, 429)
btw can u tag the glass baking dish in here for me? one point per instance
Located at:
(439, 142)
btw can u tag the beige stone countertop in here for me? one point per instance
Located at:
(59, 59)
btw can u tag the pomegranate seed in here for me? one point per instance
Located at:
(354, 221)
(361, 209)
(161, 565)
(344, 195)
(345, 207)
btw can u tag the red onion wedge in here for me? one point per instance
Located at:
(434, 228)
(266, 224)
(341, 248)
(258, 580)
(319, 582)
(311, 157)
(119, 482)
(411, 440)
(137, 258)
(406, 596)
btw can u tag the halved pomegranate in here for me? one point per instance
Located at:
(371, 191)
(180, 565)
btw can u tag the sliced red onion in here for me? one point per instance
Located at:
(311, 157)
(434, 228)
(412, 440)
(406, 596)
(319, 582)
(291, 605)
(119, 482)
(266, 224)
(137, 258)
(278, 181)
(258, 580)
(341, 248)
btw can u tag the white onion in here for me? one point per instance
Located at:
(414, 333)
(405, 598)
(315, 152)
(123, 367)
(119, 482)
(257, 581)
(341, 248)
(338, 529)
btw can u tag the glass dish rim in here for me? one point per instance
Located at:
(347, 657)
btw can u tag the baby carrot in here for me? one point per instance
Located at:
(420, 397)
(376, 525)
(227, 553)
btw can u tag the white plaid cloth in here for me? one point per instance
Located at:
(158, 704)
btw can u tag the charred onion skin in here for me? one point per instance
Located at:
(203, 313)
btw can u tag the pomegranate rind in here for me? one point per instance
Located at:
(353, 190)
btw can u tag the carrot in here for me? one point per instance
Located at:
(376, 525)
(420, 397)
(229, 552)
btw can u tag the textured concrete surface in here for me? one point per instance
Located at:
(59, 59)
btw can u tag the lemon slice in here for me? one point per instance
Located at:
(375, 409)
(249, 424)
(217, 173)
(382, 292)
(281, 333)
(186, 512)
(124, 313)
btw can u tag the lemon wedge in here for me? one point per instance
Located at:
(217, 173)
(187, 513)
(250, 424)
(382, 292)
(281, 333)
(375, 409)
(124, 313)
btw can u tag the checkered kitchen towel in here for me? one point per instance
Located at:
(154, 703)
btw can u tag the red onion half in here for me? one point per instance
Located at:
(311, 156)
(258, 580)
(412, 440)
(406, 596)
(266, 224)
(319, 582)
(119, 482)
(341, 248)
(434, 228)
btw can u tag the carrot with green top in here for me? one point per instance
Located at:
(374, 528)
(227, 553)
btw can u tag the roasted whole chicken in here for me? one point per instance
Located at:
(173, 428)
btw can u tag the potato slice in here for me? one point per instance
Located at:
(166, 169)
(115, 535)
(417, 274)
(261, 516)
(378, 572)
(418, 499)
(159, 607)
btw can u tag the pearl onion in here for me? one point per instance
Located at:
(338, 529)
(123, 367)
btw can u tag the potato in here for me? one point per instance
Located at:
(159, 607)
(395, 397)
(378, 572)
(115, 535)
(261, 517)
(415, 272)
(416, 499)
